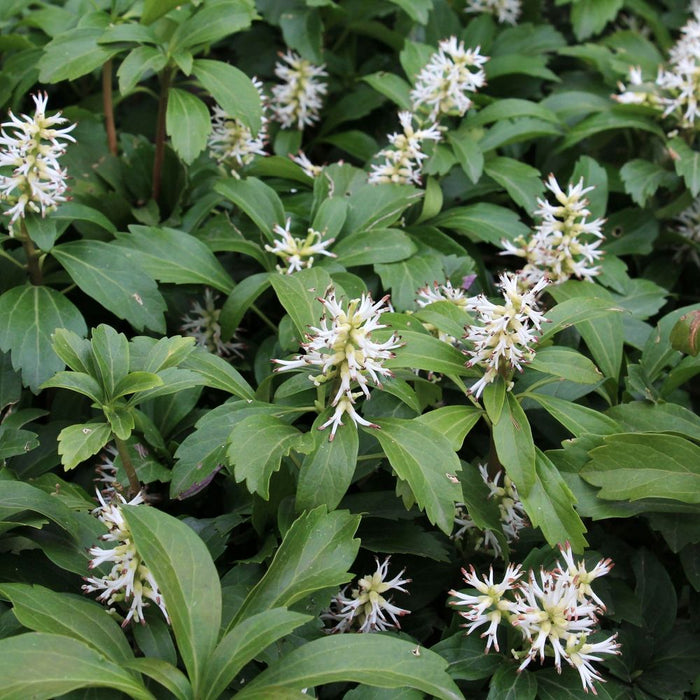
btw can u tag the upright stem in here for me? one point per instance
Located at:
(33, 266)
(134, 483)
(165, 77)
(108, 107)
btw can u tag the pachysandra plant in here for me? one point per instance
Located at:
(462, 242)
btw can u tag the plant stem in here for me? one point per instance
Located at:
(33, 264)
(165, 77)
(108, 107)
(134, 483)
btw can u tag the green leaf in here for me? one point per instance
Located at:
(371, 659)
(550, 506)
(299, 294)
(630, 466)
(589, 17)
(218, 374)
(469, 154)
(376, 246)
(43, 610)
(616, 118)
(578, 420)
(642, 178)
(74, 53)
(58, 665)
(514, 445)
(315, 554)
(378, 206)
(406, 276)
(232, 89)
(188, 580)
(259, 201)
(138, 63)
(153, 9)
(520, 64)
(214, 22)
(687, 163)
(483, 222)
(466, 657)
(256, 447)
(645, 417)
(510, 131)
(111, 353)
(28, 317)
(187, 123)
(567, 364)
(424, 459)
(510, 684)
(494, 397)
(326, 472)
(169, 255)
(422, 351)
(605, 337)
(78, 442)
(103, 272)
(76, 381)
(454, 422)
(169, 676)
(522, 182)
(240, 300)
(245, 642)
(575, 311)
(166, 353)
(135, 382)
(121, 420)
(509, 108)
(75, 351)
(391, 86)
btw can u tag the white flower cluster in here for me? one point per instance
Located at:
(404, 157)
(298, 100)
(442, 85)
(441, 292)
(298, 253)
(302, 160)
(32, 150)
(343, 349)
(564, 244)
(366, 608)
(637, 91)
(231, 142)
(130, 580)
(555, 612)
(510, 507)
(505, 11)
(502, 343)
(202, 324)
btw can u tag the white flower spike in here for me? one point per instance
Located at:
(505, 11)
(298, 253)
(296, 103)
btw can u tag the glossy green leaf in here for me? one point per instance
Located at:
(422, 351)
(589, 17)
(376, 246)
(687, 164)
(405, 277)
(510, 684)
(188, 581)
(187, 123)
(256, 447)
(139, 62)
(616, 118)
(575, 311)
(43, 610)
(17, 496)
(58, 665)
(469, 154)
(515, 448)
(214, 22)
(392, 86)
(647, 417)
(326, 472)
(244, 642)
(153, 9)
(135, 382)
(78, 442)
(425, 460)
(28, 317)
(232, 89)
(483, 222)
(76, 381)
(567, 364)
(240, 300)
(642, 179)
(111, 353)
(521, 181)
(217, 373)
(169, 676)
(454, 422)
(378, 660)
(259, 201)
(578, 420)
(105, 273)
(378, 206)
(645, 465)
(315, 554)
(169, 255)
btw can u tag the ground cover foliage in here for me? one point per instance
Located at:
(348, 349)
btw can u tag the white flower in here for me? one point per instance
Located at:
(489, 606)
(130, 580)
(503, 342)
(565, 244)
(579, 653)
(298, 100)
(404, 158)
(441, 292)
(505, 11)
(306, 165)
(202, 324)
(637, 91)
(580, 577)
(344, 351)
(32, 150)
(451, 73)
(232, 142)
(298, 253)
(366, 607)
(107, 474)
